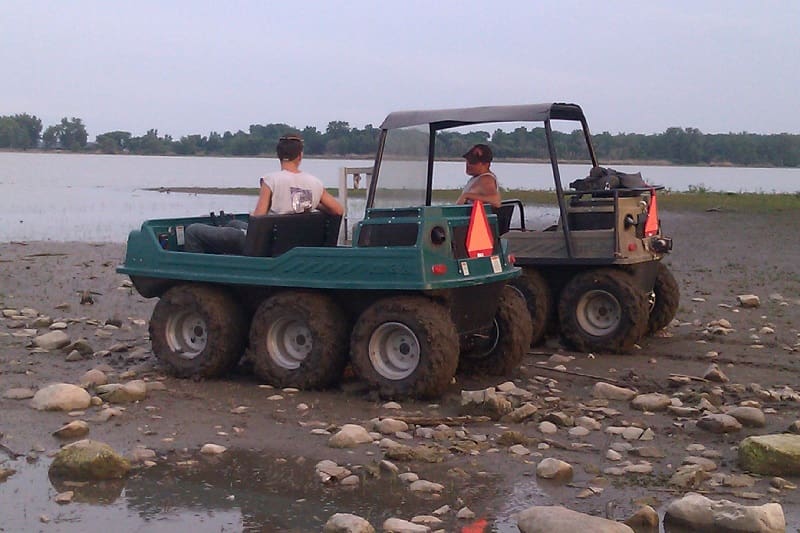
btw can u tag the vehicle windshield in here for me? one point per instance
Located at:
(403, 176)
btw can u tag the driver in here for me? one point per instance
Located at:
(482, 185)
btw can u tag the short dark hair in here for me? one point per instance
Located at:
(480, 153)
(289, 147)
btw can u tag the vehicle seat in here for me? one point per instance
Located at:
(273, 235)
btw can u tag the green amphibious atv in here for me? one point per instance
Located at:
(407, 304)
(595, 277)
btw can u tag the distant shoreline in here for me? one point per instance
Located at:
(353, 157)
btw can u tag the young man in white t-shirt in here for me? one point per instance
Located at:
(288, 191)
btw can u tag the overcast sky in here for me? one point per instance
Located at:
(197, 66)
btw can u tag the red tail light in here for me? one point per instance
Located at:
(439, 269)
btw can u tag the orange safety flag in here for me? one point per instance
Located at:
(651, 224)
(480, 242)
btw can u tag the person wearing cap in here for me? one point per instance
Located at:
(290, 190)
(482, 185)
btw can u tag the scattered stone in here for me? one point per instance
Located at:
(19, 394)
(60, 397)
(465, 513)
(422, 485)
(546, 519)
(212, 449)
(347, 523)
(485, 402)
(702, 514)
(771, 455)
(398, 525)
(644, 519)
(713, 373)
(330, 472)
(93, 378)
(719, 423)
(72, 430)
(748, 300)
(551, 468)
(52, 341)
(521, 413)
(748, 416)
(132, 391)
(652, 402)
(392, 405)
(519, 449)
(688, 477)
(6, 473)
(612, 392)
(63, 498)
(548, 428)
(350, 436)
(388, 426)
(427, 520)
(89, 460)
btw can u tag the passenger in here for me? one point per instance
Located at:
(289, 190)
(482, 185)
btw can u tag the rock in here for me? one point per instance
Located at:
(52, 340)
(132, 391)
(388, 426)
(713, 373)
(652, 402)
(771, 455)
(719, 423)
(6, 473)
(212, 449)
(82, 346)
(551, 468)
(93, 378)
(60, 397)
(347, 523)
(748, 416)
(429, 454)
(519, 449)
(644, 519)
(548, 428)
(612, 392)
(89, 460)
(141, 454)
(350, 436)
(427, 520)
(748, 300)
(74, 356)
(485, 403)
(18, 394)
(397, 525)
(72, 430)
(422, 485)
(702, 514)
(63, 498)
(521, 413)
(688, 477)
(547, 519)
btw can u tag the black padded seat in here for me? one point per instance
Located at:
(273, 235)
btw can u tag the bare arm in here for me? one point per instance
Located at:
(329, 204)
(264, 200)
(485, 190)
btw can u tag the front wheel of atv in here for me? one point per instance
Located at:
(299, 339)
(533, 287)
(198, 331)
(667, 297)
(405, 346)
(602, 311)
(500, 348)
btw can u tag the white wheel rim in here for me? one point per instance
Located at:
(394, 350)
(599, 313)
(187, 334)
(289, 341)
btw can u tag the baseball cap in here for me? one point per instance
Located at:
(480, 153)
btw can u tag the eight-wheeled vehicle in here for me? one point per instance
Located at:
(596, 276)
(422, 291)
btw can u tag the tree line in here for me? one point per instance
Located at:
(675, 145)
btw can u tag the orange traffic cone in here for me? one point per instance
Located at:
(651, 224)
(480, 241)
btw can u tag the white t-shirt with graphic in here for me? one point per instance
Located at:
(293, 192)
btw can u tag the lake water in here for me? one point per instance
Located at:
(100, 198)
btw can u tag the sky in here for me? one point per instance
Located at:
(192, 67)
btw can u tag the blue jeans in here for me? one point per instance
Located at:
(227, 239)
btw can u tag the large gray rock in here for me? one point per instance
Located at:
(547, 519)
(89, 460)
(704, 515)
(61, 397)
(771, 455)
(347, 523)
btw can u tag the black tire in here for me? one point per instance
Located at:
(538, 298)
(299, 339)
(499, 350)
(405, 346)
(603, 311)
(198, 331)
(667, 296)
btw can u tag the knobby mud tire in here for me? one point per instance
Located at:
(615, 287)
(539, 300)
(431, 327)
(213, 316)
(279, 350)
(507, 339)
(667, 299)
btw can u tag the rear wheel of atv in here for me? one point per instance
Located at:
(533, 287)
(499, 350)
(667, 297)
(405, 346)
(299, 339)
(198, 331)
(602, 311)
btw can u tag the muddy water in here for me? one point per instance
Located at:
(237, 491)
